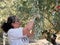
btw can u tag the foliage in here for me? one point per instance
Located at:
(47, 18)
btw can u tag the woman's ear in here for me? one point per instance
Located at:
(12, 24)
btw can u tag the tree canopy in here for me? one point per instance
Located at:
(45, 10)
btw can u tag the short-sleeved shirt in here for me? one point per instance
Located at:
(16, 37)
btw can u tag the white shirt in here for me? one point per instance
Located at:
(16, 37)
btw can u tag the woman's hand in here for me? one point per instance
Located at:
(28, 28)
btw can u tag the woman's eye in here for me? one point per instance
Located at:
(17, 20)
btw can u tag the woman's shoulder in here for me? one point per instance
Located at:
(11, 30)
(15, 29)
(20, 27)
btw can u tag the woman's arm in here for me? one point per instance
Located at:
(28, 29)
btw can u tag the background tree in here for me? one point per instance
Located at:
(45, 10)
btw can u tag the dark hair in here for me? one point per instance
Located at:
(7, 25)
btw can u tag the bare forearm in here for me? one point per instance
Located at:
(28, 27)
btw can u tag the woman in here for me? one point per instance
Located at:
(17, 35)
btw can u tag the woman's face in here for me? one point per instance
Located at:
(17, 23)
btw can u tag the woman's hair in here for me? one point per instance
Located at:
(7, 25)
